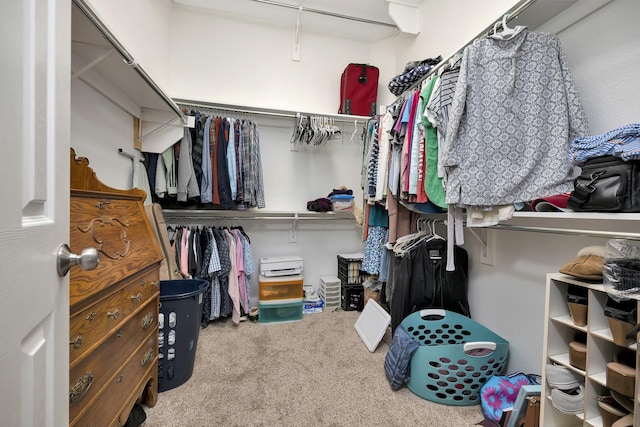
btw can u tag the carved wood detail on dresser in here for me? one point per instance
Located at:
(113, 345)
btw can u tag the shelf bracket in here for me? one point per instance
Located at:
(92, 64)
(488, 244)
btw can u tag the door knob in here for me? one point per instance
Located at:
(88, 259)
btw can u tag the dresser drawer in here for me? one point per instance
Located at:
(119, 229)
(90, 374)
(89, 326)
(129, 379)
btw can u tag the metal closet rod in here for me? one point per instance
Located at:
(327, 13)
(126, 56)
(201, 219)
(519, 8)
(343, 118)
(569, 231)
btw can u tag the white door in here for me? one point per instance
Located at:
(34, 212)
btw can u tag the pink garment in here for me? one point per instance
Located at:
(405, 160)
(234, 291)
(184, 252)
(422, 195)
(242, 284)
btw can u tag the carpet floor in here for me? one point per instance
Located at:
(314, 372)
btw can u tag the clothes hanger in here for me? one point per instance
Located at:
(405, 243)
(506, 31)
(355, 131)
(434, 235)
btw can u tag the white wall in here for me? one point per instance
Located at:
(604, 52)
(98, 129)
(142, 26)
(221, 59)
(447, 26)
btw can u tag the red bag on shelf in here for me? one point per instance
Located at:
(359, 90)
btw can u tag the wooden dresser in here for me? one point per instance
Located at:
(113, 349)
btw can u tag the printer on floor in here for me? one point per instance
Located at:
(281, 266)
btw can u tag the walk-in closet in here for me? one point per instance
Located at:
(132, 87)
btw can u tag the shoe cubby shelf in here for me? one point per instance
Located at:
(559, 331)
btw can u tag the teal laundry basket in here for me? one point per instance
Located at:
(457, 355)
(178, 329)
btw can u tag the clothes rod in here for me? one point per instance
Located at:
(327, 13)
(512, 14)
(252, 218)
(132, 156)
(343, 118)
(568, 231)
(200, 219)
(88, 12)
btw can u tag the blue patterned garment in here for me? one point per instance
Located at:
(373, 250)
(513, 116)
(403, 81)
(623, 142)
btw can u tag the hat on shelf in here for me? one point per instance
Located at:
(588, 265)
(557, 203)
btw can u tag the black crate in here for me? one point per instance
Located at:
(351, 297)
(349, 271)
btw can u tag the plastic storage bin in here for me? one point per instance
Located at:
(456, 356)
(179, 327)
(273, 312)
(330, 291)
(279, 288)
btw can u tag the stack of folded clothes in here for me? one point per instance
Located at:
(342, 200)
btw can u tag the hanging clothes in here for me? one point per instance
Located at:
(421, 281)
(187, 184)
(219, 165)
(224, 258)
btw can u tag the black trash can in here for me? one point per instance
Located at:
(179, 326)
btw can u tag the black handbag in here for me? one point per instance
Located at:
(607, 184)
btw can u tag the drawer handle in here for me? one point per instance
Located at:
(81, 387)
(102, 205)
(147, 321)
(136, 298)
(115, 314)
(120, 333)
(155, 283)
(120, 378)
(91, 316)
(77, 343)
(147, 356)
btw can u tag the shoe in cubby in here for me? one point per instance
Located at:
(621, 373)
(577, 300)
(622, 316)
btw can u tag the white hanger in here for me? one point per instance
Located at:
(506, 31)
(405, 243)
(355, 131)
(432, 228)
